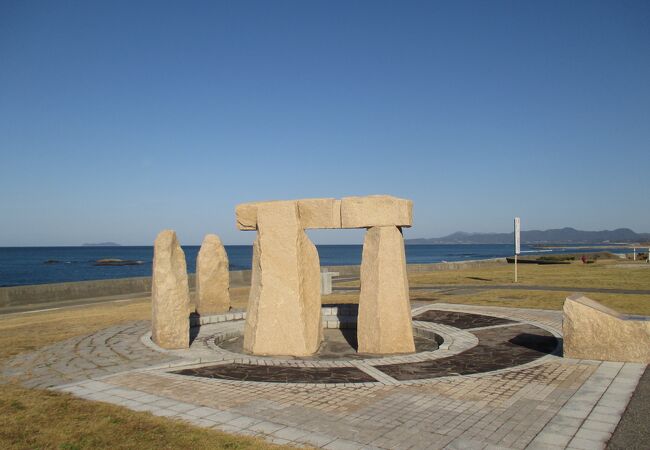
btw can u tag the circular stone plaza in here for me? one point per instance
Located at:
(481, 377)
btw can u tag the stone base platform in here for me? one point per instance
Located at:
(497, 380)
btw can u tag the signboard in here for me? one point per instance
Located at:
(517, 235)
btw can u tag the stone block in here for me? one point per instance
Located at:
(284, 311)
(313, 213)
(593, 331)
(376, 211)
(170, 295)
(212, 277)
(384, 323)
(320, 212)
(326, 282)
(246, 214)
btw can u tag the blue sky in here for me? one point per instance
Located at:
(119, 119)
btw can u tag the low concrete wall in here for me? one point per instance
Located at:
(45, 293)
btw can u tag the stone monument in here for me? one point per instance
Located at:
(283, 315)
(212, 277)
(170, 296)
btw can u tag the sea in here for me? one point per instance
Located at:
(40, 265)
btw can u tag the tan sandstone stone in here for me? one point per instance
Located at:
(313, 213)
(376, 211)
(212, 277)
(170, 297)
(320, 212)
(284, 311)
(593, 331)
(384, 323)
(246, 215)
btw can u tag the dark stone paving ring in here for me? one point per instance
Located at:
(502, 344)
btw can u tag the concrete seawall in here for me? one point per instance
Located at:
(46, 293)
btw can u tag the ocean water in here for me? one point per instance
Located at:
(38, 265)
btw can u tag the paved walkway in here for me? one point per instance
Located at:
(546, 403)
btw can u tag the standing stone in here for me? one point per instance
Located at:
(170, 296)
(212, 277)
(284, 310)
(384, 323)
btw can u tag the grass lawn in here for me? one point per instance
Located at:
(629, 303)
(603, 274)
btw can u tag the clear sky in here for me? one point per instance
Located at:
(119, 119)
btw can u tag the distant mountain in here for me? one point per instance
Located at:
(557, 236)
(102, 244)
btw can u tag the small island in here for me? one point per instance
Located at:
(101, 244)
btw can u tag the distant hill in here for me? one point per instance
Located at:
(101, 244)
(557, 236)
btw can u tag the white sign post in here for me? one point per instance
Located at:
(517, 242)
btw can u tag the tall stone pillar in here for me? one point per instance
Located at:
(170, 296)
(212, 277)
(384, 323)
(284, 310)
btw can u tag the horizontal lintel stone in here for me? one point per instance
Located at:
(376, 211)
(350, 212)
(314, 213)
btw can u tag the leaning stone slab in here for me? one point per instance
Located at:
(384, 323)
(170, 297)
(284, 314)
(376, 211)
(212, 277)
(593, 331)
(313, 213)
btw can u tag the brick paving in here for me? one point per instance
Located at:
(545, 403)
(109, 351)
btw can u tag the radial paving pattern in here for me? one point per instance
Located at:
(502, 344)
(513, 395)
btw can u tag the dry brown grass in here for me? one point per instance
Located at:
(23, 332)
(628, 304)
(603, 274)
(599, 275)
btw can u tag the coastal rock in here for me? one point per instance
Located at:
(376, 211)
(593, 331)
(284, 314)
(170, 297)
(117, 262)
(212, 277)
(384, 323)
